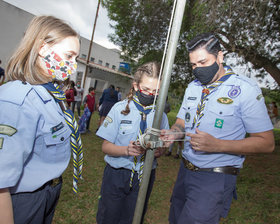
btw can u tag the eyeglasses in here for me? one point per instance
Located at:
(147, 92)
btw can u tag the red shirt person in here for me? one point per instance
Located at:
(89, 102)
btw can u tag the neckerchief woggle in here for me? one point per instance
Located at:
(143, 126)
(207, 90)
(76, 143)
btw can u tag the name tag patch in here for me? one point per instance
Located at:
(7, 130)
(57, 127)
(126, 122)
(192, 98)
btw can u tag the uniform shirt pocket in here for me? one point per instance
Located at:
(190, 111)
(57, 144)
(222, 117)
(126, 133)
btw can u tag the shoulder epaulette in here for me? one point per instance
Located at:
(15, 91)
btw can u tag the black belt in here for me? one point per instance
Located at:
(225, 169)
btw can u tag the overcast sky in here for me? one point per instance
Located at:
(80, 14)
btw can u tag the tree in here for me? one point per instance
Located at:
(249, 28)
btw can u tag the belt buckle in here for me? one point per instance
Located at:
(190, 166)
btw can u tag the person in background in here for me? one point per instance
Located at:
(107, 100)
(89, 102)
(35, 126)
(120, 130)
(218, 109)
(78, 98)
(70, 94)
(119, 93)
(2, 74)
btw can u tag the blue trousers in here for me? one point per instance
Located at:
(36, 207)
(201, 197)
(117, 202)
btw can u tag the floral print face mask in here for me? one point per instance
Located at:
(58, 68)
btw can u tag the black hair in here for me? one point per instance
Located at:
(207, 41)
(72, 84)
(90, 89)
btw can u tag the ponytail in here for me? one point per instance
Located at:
(126, 111)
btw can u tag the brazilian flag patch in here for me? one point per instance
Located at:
(219, 123)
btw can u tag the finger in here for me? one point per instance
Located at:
(190, 134)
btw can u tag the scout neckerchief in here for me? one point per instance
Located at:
(143, 126)
(76, 143)
(206, 91)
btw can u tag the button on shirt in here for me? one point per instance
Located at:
(39, 148)
(120, 129)
(237, 107)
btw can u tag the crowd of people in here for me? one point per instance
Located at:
(38, 131)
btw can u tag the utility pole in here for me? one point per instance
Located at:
(90, 45)
(179, 7)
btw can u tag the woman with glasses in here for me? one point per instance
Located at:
(120, 130)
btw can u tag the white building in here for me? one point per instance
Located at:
(104, 63)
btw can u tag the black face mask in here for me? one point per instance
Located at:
(206, 74)
(144, 99)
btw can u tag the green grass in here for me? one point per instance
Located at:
(258, 188)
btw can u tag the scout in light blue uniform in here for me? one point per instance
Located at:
(35, 127)
(230, 112)
(218, 109)
(126, 121)
(121, 129)
(35, 139)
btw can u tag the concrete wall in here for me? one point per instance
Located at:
(13, 23)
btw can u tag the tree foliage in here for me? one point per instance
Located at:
(248, 28)
(251, 28)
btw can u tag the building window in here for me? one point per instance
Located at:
(92, 59)
(83, 56)
(107, 64)
(79, 75)
(100, 62)
(114, 67)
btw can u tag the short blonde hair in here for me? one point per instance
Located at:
(24, 64)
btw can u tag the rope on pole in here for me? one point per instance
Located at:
(168, 63)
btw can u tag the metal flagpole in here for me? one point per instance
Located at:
(168, 63)
(89, 49)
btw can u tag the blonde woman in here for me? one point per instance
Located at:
(34, 135)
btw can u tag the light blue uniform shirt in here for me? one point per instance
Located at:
(120, 129)
(236, 107)
(34, 137)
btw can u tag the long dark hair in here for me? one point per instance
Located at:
(150, 69)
